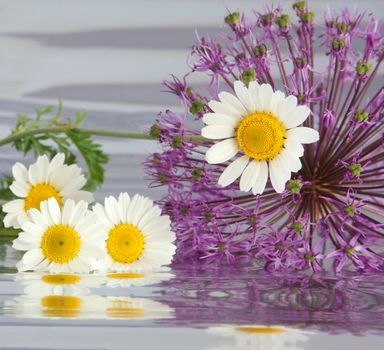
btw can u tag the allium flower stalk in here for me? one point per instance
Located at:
(299, 107)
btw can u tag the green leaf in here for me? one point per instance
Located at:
(93, 156)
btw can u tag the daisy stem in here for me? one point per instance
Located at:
(63, 129)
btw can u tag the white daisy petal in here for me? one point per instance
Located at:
(287, 108)
(243, 95)
(220, 119)
(20, 172)
(232, 102)
(276, 101)
(298, 117)
(253, 89)
(222, 151)
(13, 206)
(261, 181)
(233, 171)
(20, 189)
(223, 108)
(250, 175)
(277, 178)
(265, 95)
(303, 135)
(293, 162)
(217, 132)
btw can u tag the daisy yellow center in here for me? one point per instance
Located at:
(125, 243)
(60, 244)
(261, 136)
(39, 193)
(125, 275)
(61, 306)
(60, 279)
(124, 309)
(261, 330)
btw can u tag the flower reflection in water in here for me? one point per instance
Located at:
(136, 308)
(58, 284)
(248, 296)
(136, 279)
(245, 300)
(260, 337)
(68, 296)
(56, 306)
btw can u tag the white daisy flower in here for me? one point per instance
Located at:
(130, 279)
(56, 240)
(260, 337)
(137, 309)
(138, 236)
(263, 126)
(37, 284)
(43, 180)
(56, 306)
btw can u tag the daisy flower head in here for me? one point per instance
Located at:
(43, 180)
(138, 236)
(60, 240)
(263, 126)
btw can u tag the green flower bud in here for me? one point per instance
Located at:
(309, 257)
(361, 116)
(338, 44)
(240, 56)
(252, 220)
(282, 21)
(308, 17)
(362, 68)
(184, 210)
(266, 19)
(350, 210)
(248, 75)
(301, 62)
(197, 107)
(355, 169)
(189, 90)
(208, 216)
(342, 27)
(297, 226)
(164, 179)
(155, 160)
(155, 131)
(260, 50)
(232, 19)
(177, 142)
(294, 186)
(299, 6)
(197, 174)
(349, 251)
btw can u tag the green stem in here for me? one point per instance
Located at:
(62, 129)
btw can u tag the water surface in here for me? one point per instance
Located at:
(192, 307)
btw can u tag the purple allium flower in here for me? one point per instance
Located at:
(334, 201)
